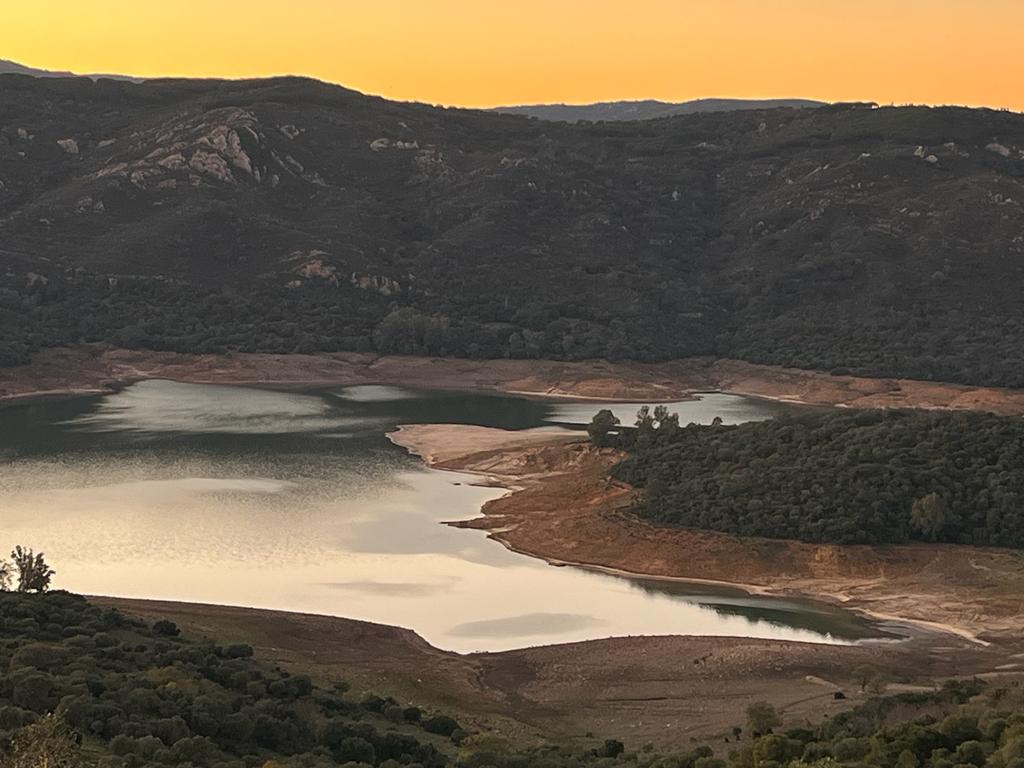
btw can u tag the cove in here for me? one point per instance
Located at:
(296, 500)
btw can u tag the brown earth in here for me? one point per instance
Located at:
(659, 690)
(565, 509)
(99, 369)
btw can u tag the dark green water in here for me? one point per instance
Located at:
(297, 501)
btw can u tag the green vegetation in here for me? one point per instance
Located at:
(84, 687)
(816, 238)
(148, 697)
(867, 477)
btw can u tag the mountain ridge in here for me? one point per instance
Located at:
(290, 215)
(9, 67)
(648, 109)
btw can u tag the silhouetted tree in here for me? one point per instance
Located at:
(34, 574)
(5, 576)
(645, 419)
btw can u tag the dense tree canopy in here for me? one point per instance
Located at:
(287, 215)
(868, 477)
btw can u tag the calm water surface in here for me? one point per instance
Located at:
(297, 501)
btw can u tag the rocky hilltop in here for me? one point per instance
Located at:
(289, 215)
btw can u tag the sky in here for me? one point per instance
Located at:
(498, 52)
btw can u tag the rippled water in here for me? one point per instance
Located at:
(297, 501)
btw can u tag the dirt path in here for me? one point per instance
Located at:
(95, 369)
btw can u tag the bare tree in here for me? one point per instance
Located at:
(34, 574)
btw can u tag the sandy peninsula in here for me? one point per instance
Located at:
(565, 509)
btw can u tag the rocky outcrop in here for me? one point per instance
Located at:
(223, 146)
(379, 145)
(382, 284)
(313, 266)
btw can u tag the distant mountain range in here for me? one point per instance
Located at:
(609, 111)
(8, 67)
(612, 111)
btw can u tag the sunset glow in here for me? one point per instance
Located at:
(486, 52)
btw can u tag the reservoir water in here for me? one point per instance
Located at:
(297, 501)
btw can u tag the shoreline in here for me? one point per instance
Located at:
(512, 487)
(536, 520)
(689, 686)
(85, 371)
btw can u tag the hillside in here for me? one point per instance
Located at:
(288, 215)
(648, 109)
(84, 686)
(150, 697)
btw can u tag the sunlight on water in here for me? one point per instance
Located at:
(166, 406)
(232, 495)
(374, 393)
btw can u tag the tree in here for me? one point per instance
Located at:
(929, 515)
(863, 675)
(34, 574)
(877, 685)
(5, 576)
(611, 748)
(645, 419)
(601, 427)
(762, 717)
(666, 421)
(166, 628)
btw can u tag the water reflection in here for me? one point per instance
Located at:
(527, 625)
(233, 495)
(729, 408)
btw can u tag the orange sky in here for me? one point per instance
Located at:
(490, 52)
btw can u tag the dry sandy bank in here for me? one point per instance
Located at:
(98, 369)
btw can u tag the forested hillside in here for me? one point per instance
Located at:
(145, 696)
(289, 215)
(871, 477)
(84, 687)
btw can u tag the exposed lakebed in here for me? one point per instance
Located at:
(297, 501)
